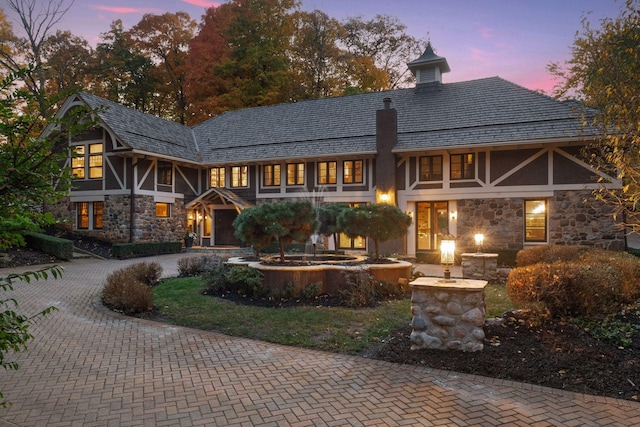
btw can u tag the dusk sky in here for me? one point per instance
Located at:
(513, 39)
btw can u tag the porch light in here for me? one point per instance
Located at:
(479, 238)
(385, 198)
(447, 255)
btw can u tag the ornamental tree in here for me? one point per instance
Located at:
(286, 222)
(379, 222)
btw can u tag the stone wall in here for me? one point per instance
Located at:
(571, 221)
(117, 220)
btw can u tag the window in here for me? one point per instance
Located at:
(535, 221)
(95, 161)
(240, 176)
(165, 169)
(271, 175)
(352, 172)
(463, 166)
(89, 213)
(430, 168)
(163, 210)
(432, 221)
(217, 177)
(295, 174)
(346, 242)
(79, 161)
(327, 173)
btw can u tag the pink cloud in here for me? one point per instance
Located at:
(486, 32)
(116, 9)
(203, 3)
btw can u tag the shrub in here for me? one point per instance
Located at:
(311, 291)
(60, 248)
(595, 285)
(132, 250)
(126, 292)
(360, 290)
(242, 280)
(196, 266)
(146, 272)
(549, 253)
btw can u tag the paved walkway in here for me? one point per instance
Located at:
(90, 367)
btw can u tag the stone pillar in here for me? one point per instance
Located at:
(480, 266)
(447, 315)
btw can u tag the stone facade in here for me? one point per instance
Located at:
(480, 266)
(447, 315)
(575, 218)
(116, 220)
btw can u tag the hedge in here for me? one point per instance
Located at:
(59, 248)
(133, 250)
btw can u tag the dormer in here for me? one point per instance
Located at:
(428, 68)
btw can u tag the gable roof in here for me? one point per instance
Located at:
(489, 111)
(144, 132)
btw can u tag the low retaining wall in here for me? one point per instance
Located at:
(330, 275)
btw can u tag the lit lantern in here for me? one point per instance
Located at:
(447, 254)
(479, 238)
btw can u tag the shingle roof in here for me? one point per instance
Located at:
(484, 111)
(142, 131)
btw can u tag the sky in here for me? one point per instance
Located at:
(512, 39)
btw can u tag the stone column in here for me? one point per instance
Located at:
(447, 315)
(480, 266)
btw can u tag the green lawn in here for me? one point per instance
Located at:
(181, 302)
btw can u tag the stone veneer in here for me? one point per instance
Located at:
(117, 216)
(447, 315)
(480, 266)
(574, 218)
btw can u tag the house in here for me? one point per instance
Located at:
(461, 158)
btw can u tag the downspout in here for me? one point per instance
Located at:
(131, 200)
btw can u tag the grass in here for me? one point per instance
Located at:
(181, 302)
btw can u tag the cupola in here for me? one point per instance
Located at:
(428, 68)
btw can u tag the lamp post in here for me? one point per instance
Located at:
(479, 238)
(447, 255)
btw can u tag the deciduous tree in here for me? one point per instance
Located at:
(604, 73)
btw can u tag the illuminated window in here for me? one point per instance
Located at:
(535, 221)
(98, 208)
(271, 175)
(95, 161)
(217, 177)
(463, 166)
(430, 168)
(240, 176)
(346, 242)
(327, 173)
(165, 170)
(89, 213)
(163, 210)
(295, 174)
(77, 162)
(352, 172)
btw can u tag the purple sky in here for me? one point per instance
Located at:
(513, 39)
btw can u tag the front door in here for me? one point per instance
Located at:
(223, 231)
(431, 221)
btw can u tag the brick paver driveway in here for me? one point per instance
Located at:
(91, 367)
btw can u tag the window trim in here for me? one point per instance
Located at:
(530, 227)
(93, 219)
(463, 170)
(239, 176)
(354, 175)
(327, 172)
(168, 209)
(298, 175)
(275, 175)
(220, 177)
(87, 160)
(431, 168)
